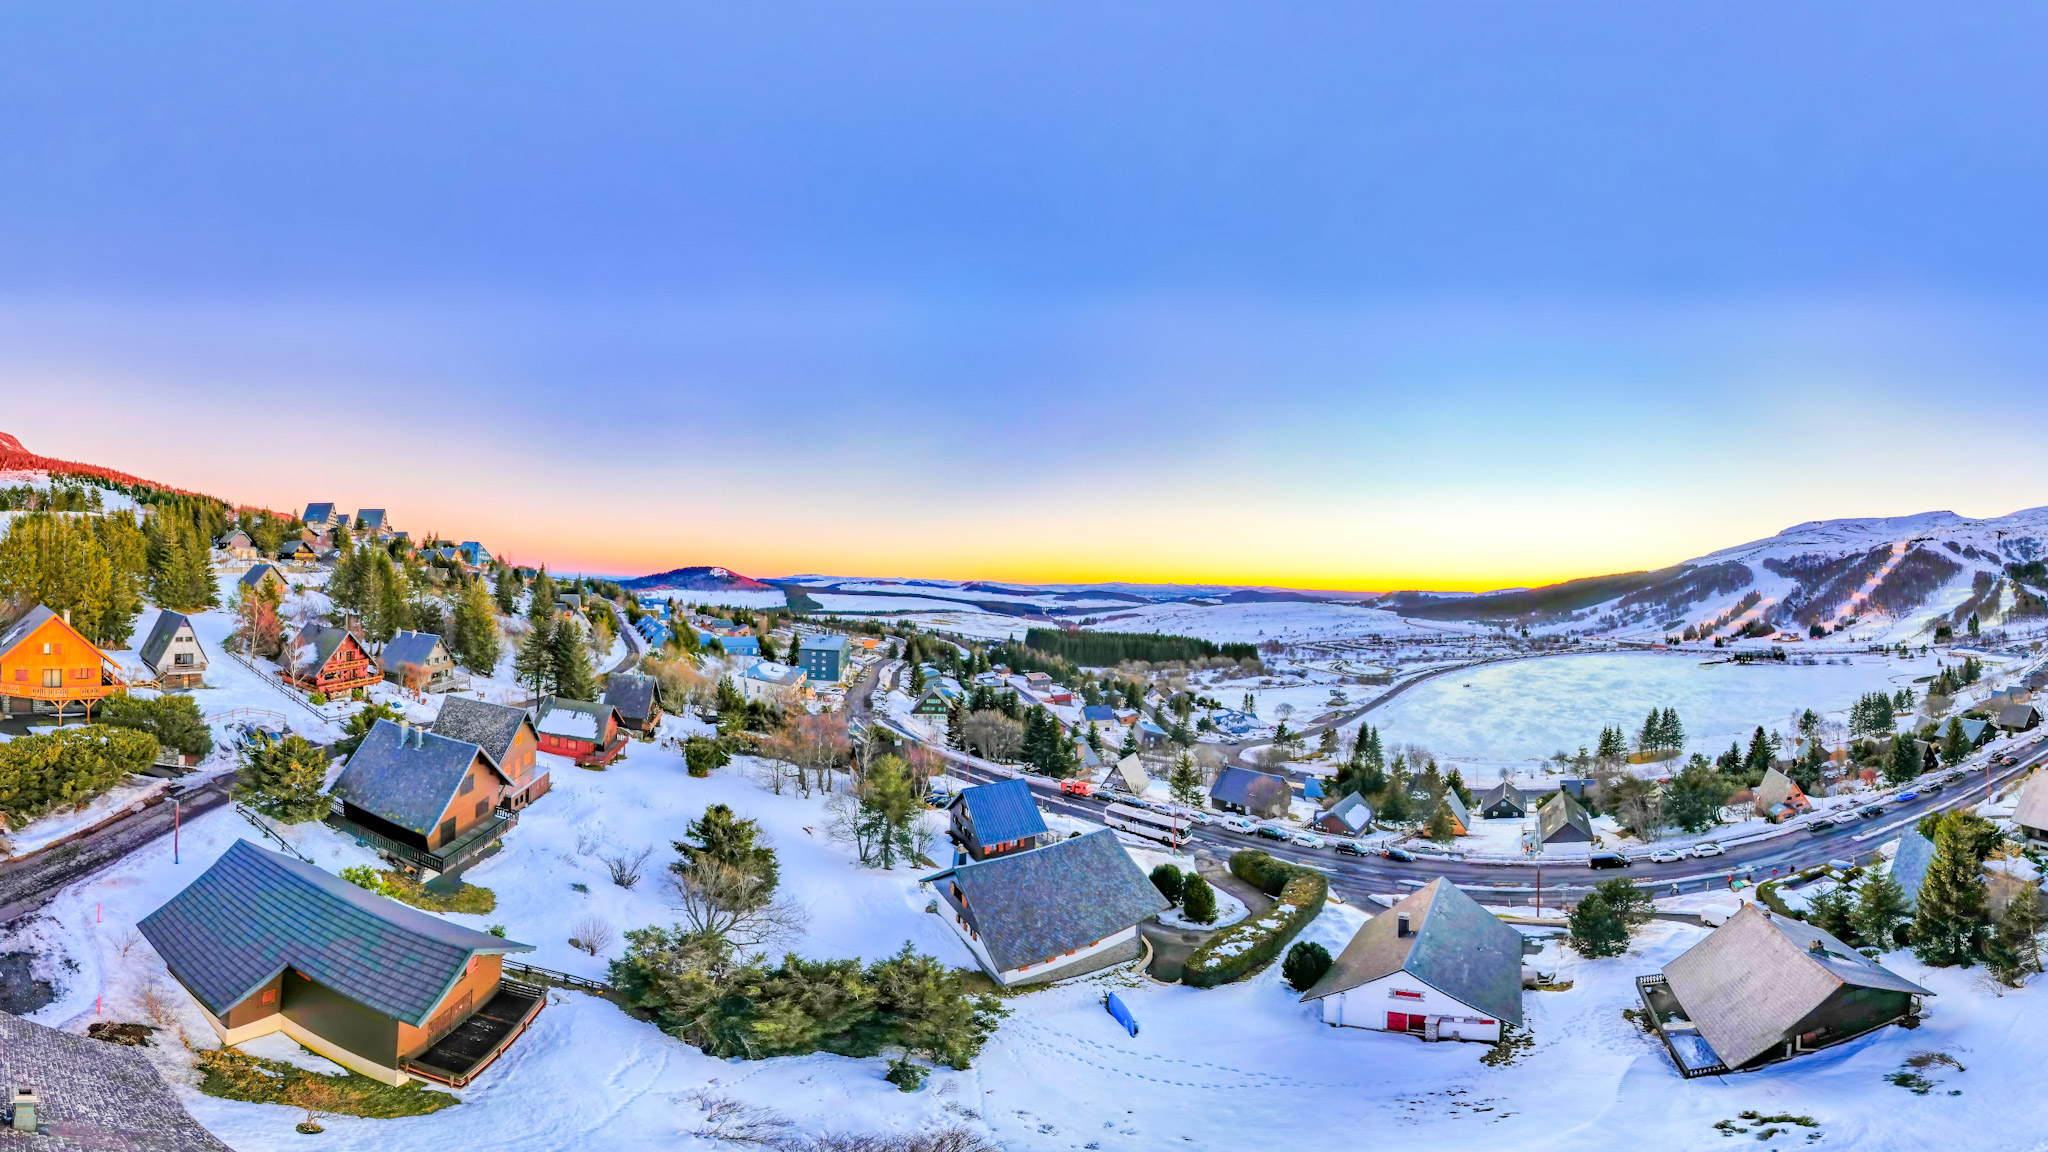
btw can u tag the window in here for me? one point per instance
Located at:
(447, 830)
(21, 674)
(182, 658)
(482, 806)
(81, 673)
(49, 649)
(1404, 994)
(53, 677)
(468, 786)
(270, 996)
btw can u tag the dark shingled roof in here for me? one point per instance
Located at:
(1002, 811)
(1032, 906)
(318, 513)
(1248, 789)
(1503, 792)
(415, 648)
(631, 694)
(160, 635)
(406, 775)
(1563, 818)
(254, 576)
(95, 1095)
(1453, 945)
(20, 629)
(255, 913)
(491, 727)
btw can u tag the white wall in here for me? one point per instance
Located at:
(1367, 1005)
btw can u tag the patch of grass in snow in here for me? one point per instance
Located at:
(1514, 1044)
(232, 1074)
(406, 890)
(1910, 1074)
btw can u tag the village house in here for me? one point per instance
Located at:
(1101, 714)
(90, 1095)
(323, 658)
(1461, 821)
(257, 578)
(371, 522)
(267, 943)
(1563, 820)
(1435, 965)
(507, 735)
(172, 651)
(426, 800)
(238, 546)
(935, 709)
(775, 684)
(1779, 798)
(637, 698)
(323, 517)
(1050, 913)
(2018, 718)
(1503, 801)
(584, 732)
(1763, 988)
(1349, 817)
(47, 666)
(1254, 793)
(2030, 818)
(994, 819)
(419, 661)
(296, 551)
(1127, 775)
(823, 658)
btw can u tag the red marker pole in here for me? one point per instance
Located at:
(177, 825)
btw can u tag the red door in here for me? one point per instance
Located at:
(1397, 1021)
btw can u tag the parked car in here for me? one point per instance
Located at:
(1196, 816)
(1707, 848)
(1309, 840)
(1242, 825)
(1666, 856)
(1870, 811)
(1841, 865)
(1397, 854)
(1608, 860)
(1268, 832)
(1907, 797)
(1819, 826)
(1351, 848)
(1932, 787)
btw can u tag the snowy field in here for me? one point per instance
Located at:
(1272, 620)
(1528, 709)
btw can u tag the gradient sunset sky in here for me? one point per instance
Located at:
(1344, 295)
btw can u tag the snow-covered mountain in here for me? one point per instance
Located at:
(1897, 578)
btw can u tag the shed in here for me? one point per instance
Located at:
(1435, 965)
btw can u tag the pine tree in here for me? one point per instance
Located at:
(1130, 747)
(476, 630)
(1674, 731)
(1597, 929)
(1758, 760)
(1442, 829)
(535, 664)
(575, 679)
(2015, 947)
(506, 590)
(1948, 916)
(1455, 781)
(284, 779)
(541, 599)
(1955, 747)
(1613, 746)
(1880, 910)
(1651, 738)
(1094, 738)
(917, 680)
(1902, 764)
(956, 737)
(1833, 913)
(1185, 781)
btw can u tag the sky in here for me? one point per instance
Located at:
(1332, 295)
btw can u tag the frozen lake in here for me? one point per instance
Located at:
(1528, 709)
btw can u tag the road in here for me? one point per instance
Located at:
(1356, 878)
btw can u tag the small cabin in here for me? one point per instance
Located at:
(47, 666)
(267, 943)
(993, 819)
(330, 660)
(638, 700)
(420, 661)
(173, 652)
(424, 799)
(590, 734)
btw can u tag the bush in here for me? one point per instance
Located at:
(702, 754)
(906, 1075)
(1232, 953)
(1306, 963)
(174, 721)
(1198, 900)
(67, 768)
(1169, 881)
(317, 697)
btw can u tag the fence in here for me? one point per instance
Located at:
(558, 979)
(277, 686)
(264, 827)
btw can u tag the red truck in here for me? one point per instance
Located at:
(1078, 787)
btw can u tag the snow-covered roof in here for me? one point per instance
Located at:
(780, 675)
(573, 719)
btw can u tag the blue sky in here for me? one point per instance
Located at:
(1462, 294)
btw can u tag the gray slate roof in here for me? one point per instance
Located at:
(254, 576)
(2017, 716)
(406, 775)
(20, 629)
(1002, 811)
(1032, 906)
(1564, 818)
(416, 648)
(1755, 977)
(491, 727)
(255, 913)
(1453, 945)
(632, 694)
(1457, 808)
(95, 1095)
(161, 633)
(1503, 791)
(318, 513)
(1909, 864)
(1352, 812)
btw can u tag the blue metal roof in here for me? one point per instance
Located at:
(1002, 811)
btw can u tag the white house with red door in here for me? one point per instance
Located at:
(1436, 965)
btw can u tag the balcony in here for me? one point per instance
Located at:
(449, 858)
(469, 1048)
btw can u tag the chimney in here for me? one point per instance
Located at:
(1401, 924)
(67, 615)
(25, 1105)
(1816, 947)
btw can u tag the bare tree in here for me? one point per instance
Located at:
(720, 899)
(625, 867)
(593, 935)
(814, 745)
(992, 735)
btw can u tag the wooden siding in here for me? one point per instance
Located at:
(56, 663)
(471, 808)
(470, 993)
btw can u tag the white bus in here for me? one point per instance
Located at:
(1149, 825)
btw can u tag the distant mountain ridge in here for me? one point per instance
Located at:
(14, 457)
(701, 578)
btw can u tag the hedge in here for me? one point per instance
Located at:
(1242, 948)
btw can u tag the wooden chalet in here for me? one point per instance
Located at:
(637, 698)
(420, 661)
(507, 735)
(1780, 798)
(267, 943)
(590, 734)
(991, 820)
(238, 545)
(1503, 801)
(1763, 988)
(264, 577)
(47, 666)
(331, 660)
(426, 800)
(173, 652)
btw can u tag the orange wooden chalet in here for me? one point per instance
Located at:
(48, 666)
(331, 660)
